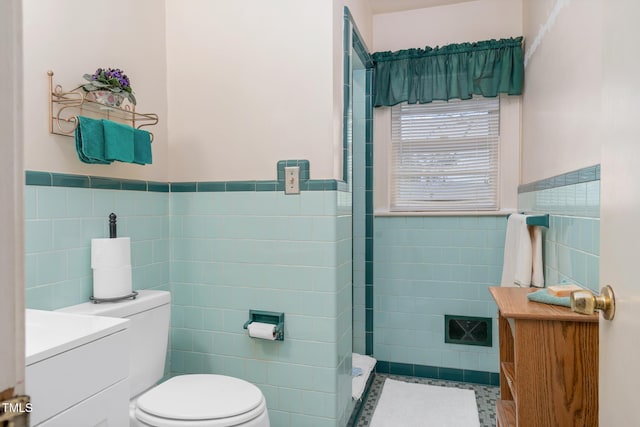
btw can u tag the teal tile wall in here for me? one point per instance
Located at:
(424, 268)
(60, 223)
(572, 243)
(221, 248)
(235, 251)
(344, 282)
(572, 251)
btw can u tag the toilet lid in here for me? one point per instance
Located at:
(201, 397)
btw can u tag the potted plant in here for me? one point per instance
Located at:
(109, 86)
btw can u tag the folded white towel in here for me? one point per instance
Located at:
(537, 275)
(358, 383)
(522, 264)
(516, 268)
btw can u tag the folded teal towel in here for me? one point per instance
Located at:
(545, 297)
(142, 147)
(118, 141)
(356, 372)
(90, 141)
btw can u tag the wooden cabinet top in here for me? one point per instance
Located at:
(513, 303)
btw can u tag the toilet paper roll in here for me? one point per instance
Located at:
(110, 252)
(111, 282)
(266, 331)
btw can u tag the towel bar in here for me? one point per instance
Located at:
(65, 107)
(539, 220)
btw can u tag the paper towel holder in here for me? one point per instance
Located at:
(270, 317)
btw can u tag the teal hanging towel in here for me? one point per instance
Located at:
(142, 147)
(89, 136)
(118, 141)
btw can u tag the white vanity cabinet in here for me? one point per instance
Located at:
(77, 369)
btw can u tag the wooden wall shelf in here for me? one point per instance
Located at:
(548, 363)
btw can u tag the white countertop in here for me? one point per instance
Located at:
(50, 332)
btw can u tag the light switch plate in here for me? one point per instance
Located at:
(292, 180)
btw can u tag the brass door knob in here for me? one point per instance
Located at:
(585, 302)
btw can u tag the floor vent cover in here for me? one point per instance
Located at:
(467, 330)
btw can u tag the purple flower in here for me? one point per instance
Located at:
(112, 79)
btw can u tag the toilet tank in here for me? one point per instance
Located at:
(149, 314)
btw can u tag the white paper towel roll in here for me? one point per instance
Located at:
(110, 252)
(111, 282)
(266, 331)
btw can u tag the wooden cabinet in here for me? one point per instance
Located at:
(548, 363)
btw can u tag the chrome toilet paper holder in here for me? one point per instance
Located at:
(270, 317)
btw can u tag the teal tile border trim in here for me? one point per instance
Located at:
(63, 180)
(106, 183)
(53, 179)
(302, 164)
(588, 174)
(159, 187)
(230, 186)
(435, 372)
(207, 187)
(183, 187)
(38, 178)
(49, 179)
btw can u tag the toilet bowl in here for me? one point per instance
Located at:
(202, 401)
(197, 400)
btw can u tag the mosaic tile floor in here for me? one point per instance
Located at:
(485, 397)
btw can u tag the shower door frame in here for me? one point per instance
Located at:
(354, 45)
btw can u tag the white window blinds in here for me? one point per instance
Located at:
(445, 155)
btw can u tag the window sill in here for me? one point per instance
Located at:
(383, 212)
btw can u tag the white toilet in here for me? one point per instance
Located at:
(185, 400)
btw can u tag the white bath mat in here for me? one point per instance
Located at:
(420, 405)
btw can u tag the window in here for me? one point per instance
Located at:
(445, 156)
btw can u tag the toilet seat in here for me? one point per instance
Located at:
(202, 401)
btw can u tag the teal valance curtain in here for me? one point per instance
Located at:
(485, 68)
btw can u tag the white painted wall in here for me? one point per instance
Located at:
(561, 125)
(74, 37)
(437, 26)
(250, 83)
(237, 85)
(362, 15)
(11, 211)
